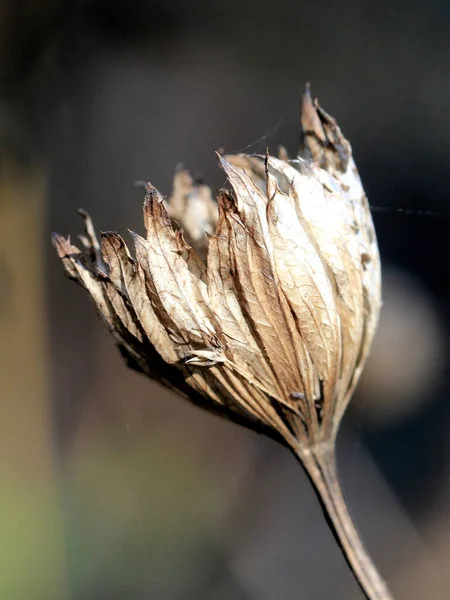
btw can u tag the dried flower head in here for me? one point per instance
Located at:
(273, 329)
(264, 309)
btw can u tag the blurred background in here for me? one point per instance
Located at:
(111, 488)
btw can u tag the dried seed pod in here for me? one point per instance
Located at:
(278, 323)
(274, 328)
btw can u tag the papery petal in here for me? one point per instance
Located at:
(177, 275)
(328, 221)
(250, 370)
(128, 276)
(192, 206)
(330, 151)
(109, 305)
(224, 301)
(252, 165)
(307, 287)
(266, 310)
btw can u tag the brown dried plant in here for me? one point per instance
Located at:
(273, 329)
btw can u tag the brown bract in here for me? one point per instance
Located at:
(273, 329)
(192, 207)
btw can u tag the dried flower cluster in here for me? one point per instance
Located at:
(264, 309)
(274, 328)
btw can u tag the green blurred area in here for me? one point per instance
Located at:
(32, 553)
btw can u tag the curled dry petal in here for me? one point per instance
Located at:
(191, 205)
(269, 318)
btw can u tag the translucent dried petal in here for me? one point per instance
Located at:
(274, 329)
(192, 206)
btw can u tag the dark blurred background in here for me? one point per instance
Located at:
(113, 489)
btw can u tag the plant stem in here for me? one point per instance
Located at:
(320, 465)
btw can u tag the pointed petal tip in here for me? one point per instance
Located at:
(139, 242)
(181, 177)
(59, 239)
(152, 195)
(282, 153)
(232, 166)
(309, 116)
(226, 160)
(58, 242)
(111, 237)
(227, 165)
(307, 100)
(88, 224)
(150, 188)
(307, 92)
(136, 237)
(63, 246)
(221, 158)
